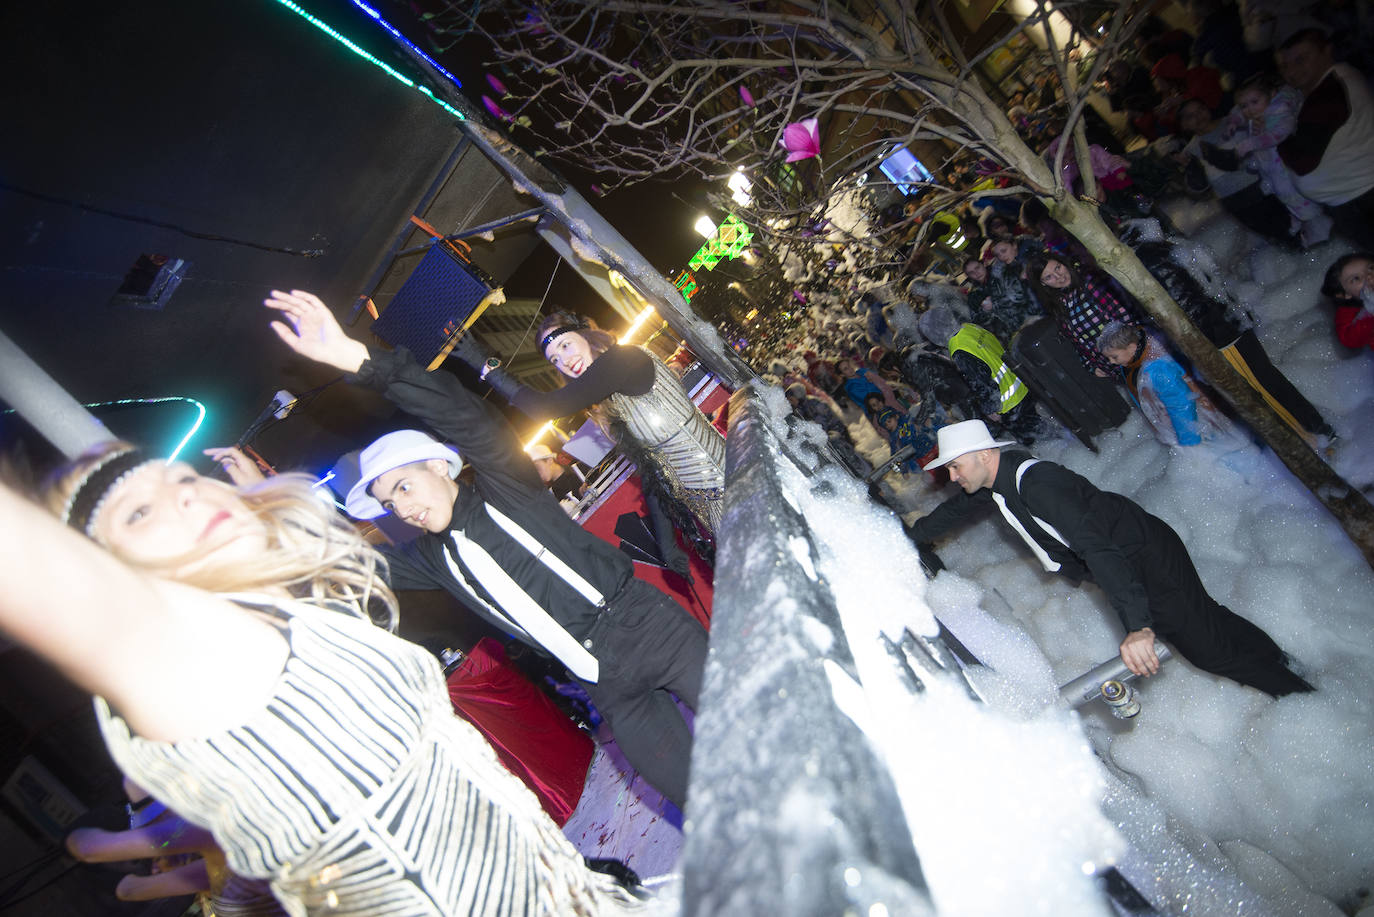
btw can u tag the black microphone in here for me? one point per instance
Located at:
(282, 401)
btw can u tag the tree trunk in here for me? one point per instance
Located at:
(1347, 504)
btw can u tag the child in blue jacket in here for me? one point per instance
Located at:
(1180, 414)
(916, 430)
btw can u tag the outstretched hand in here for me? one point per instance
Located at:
(312, 331)
(1138, 652)
(240, 468)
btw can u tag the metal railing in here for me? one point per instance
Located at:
(790, 811)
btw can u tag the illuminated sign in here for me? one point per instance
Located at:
(731, 239)
(686, 284)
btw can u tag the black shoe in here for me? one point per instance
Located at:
(627, 877)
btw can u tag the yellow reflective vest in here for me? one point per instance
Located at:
(952, 237)
(985, 346)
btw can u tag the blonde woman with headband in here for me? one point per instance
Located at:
(240, 678)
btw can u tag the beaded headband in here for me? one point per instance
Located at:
(101, 480)
(560, 330)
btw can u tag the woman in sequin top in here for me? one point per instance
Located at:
(639, 390)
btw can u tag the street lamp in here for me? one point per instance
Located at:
(739, 186)
(705, 226)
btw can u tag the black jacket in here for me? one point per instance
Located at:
(619, 369)
(505, 478)
(1213, 317)
(1111, 539)
(933, 372)
(984, 392)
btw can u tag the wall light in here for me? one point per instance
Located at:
(640, 319)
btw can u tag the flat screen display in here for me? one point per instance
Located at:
(905, 170)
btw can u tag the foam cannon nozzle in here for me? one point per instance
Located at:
(1120, 699)
(1110, 682)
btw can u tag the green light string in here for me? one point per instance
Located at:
(200, 418)
(370, 58)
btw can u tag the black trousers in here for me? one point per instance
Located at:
(1355, 220)
(1261, 212)
(647, 646)
(1205, 632)
(1252, 353)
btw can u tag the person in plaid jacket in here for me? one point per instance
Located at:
(1081, 304)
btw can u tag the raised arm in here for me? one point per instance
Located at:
(620, 369)
(140, 642)
(309, 328)
(447, 407)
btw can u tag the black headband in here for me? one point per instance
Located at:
(85, 501)
(577, 325)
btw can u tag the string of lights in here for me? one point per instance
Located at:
(200, 415)
(406, 41)
(372, 58)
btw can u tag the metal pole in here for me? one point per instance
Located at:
(792, 808)
(38, 398)
(471, 231)
(403, 232)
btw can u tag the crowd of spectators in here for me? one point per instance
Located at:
(1272, 119)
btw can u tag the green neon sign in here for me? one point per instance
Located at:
(731, 238)
(686, 285)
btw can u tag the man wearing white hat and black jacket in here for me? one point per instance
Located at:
(505, 548)
(1083, 533)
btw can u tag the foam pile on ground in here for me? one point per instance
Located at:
(960, 767)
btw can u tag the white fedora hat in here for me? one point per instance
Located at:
(962, 438)
(404, 447)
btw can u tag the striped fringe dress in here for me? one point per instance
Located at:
(356, 791)
(690, 450)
